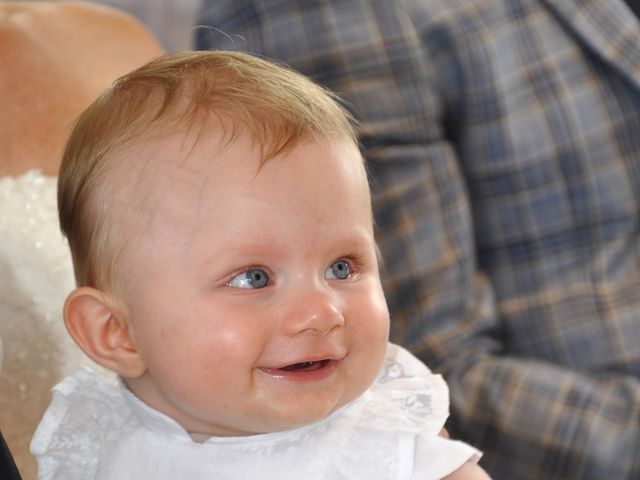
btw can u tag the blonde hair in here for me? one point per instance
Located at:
(231, 91)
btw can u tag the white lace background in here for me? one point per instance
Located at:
(35, 277)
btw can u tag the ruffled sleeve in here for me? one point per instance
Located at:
(409, 398)
(83, 411)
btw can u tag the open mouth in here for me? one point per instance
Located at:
(304, 371)
(306, 366)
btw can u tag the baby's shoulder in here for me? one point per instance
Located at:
(468, 471)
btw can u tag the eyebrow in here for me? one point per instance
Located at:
(354, 240)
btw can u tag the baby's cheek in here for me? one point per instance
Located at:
(380, 319)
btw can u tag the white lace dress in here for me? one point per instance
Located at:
(35, 277)
(97, 430)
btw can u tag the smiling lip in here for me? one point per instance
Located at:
(304, 371)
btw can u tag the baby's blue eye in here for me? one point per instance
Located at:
(253, 278)
(340, 270)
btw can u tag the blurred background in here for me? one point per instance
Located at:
(170, 20)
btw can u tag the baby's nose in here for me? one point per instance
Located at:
(316, 312)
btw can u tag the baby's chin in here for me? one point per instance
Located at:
(285, 419)
(299, 416)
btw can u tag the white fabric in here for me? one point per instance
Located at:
(35, 277)
(94, 429)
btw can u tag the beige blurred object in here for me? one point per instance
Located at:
(56, 57)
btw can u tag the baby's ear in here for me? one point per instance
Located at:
(101, 333)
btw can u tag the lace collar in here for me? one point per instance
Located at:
(96, 430)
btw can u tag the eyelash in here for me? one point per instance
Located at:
(356, 262)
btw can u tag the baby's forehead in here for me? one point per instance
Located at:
(192, 162)
(148, 174)
(143, 173)
(172, 154)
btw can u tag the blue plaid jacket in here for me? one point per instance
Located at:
(503, 142)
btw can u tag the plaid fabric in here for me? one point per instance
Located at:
(634, 5)
(503, 141)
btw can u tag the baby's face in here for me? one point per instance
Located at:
(257, 304)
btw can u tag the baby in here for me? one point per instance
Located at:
(219, 219)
